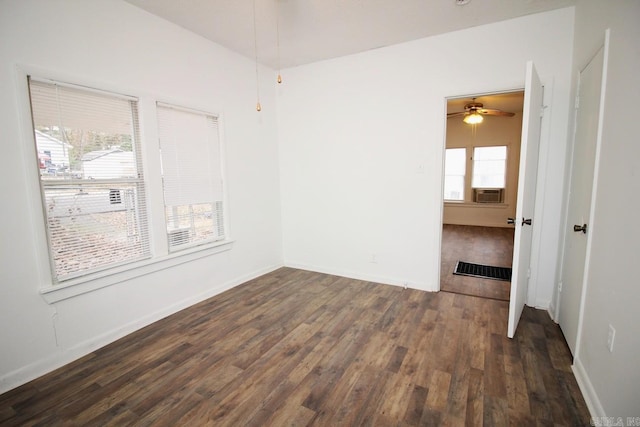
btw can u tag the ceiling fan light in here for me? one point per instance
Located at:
(473, 118)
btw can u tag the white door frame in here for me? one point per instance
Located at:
(594, 193)
(540, 184)
(444, 147)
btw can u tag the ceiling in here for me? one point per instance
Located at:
(314, 30)
(512, 102)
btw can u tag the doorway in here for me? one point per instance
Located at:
(480, 194)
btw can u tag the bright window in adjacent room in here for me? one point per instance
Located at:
(90, 167)
(191, 176)
(489, 167)
(455, 166)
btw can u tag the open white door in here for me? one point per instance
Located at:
(524, 221)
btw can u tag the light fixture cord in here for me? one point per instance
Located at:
(255, 45)
(278, 37)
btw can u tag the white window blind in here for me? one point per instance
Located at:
(454, 173)
(91, 177)
(191, 176)
(489, 167)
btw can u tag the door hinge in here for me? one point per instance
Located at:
(577, 102)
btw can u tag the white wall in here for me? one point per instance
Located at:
(611, 381)
(493, 131)
(361, 148)
(113, 45)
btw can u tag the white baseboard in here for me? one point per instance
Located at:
(542, 305)
(41, 367)
(360, 276)
(552, 312)
(588, 392)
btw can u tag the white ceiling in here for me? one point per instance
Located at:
(313, 30)
(512, 102)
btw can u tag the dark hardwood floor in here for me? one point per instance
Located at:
(478, 245)
(300, 348)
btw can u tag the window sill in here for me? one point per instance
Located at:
(92, 282)
(476, 205)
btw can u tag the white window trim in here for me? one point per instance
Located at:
(502, 205)
(53, 293)
(112, 276)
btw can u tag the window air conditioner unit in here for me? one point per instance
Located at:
(488, 195)
(178, 236)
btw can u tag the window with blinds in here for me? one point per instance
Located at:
(489, 167)
(454, 173)
(191, 176)
(90, 167)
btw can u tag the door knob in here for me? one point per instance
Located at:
(511, 220)
(526, 221)
(582, 228)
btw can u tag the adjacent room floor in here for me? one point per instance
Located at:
(300, 348)
(478, 245)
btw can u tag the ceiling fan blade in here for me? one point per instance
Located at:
(490, 112)
(461, 113)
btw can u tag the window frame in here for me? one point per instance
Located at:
(160, 257)
(49, 186)
(221, 226)
(464, 176)
(468, 187)
(473, 166)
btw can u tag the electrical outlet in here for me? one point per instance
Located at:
(374, 259)
(610, 338)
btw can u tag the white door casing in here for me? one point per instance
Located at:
(525, 205)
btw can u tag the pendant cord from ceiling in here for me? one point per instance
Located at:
(278, 38)
(255, 45)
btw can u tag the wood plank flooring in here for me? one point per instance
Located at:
(479, 245)
(300, 348)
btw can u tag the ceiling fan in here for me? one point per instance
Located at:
(473, 112)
